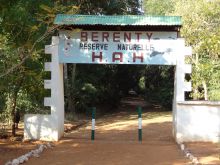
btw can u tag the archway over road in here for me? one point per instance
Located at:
(142, 40)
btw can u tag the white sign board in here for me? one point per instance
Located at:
(118, 47)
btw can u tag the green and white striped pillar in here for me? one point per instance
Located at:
(93, 123)
(139, 123)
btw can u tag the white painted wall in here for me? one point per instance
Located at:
(198, 121)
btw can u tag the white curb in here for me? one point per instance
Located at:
(25, 157)
(194, 160)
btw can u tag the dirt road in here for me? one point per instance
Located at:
(116, 141)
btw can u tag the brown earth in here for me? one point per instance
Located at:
(10, 149)
(208, 153)
(116, 142)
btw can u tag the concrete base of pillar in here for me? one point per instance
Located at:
(42, 127)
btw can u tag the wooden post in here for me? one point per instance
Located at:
(139, 123)
(93, 123)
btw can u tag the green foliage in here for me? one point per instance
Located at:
(104, 84)
(202, 32)
(96, 87)
(159, 84)
(3, 131)
(5, 116)
(108, 7)
(141, 84)
(158, 7)
(24, 27)
(85, 96)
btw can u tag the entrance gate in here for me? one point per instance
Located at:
(144, 40)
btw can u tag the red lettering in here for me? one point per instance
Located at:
(105, 36)
(116, 37)
(138, 36)
(141, 57)
(94, 56)
(84, 36)
(117, 56)
(149, 35)
(127, 37)
(95, 36)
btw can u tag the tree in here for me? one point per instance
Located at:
(159, 80)
(108, 7)
(201, 31)
(159, 7)
(22, 43)
(75, 80)
(18, 30)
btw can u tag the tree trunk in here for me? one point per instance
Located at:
(195, 93)
(196, 86)
(14, 104)
(70, 89)
(205, 90)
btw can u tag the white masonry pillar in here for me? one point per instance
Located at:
(49, 127)
(180, 84)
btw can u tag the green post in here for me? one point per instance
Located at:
(93, 123)
(139, 123)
